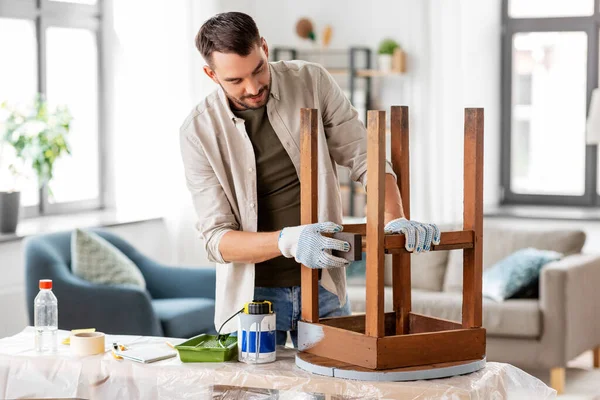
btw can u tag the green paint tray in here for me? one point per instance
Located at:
(205, 348)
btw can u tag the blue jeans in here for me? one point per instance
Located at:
(287, 306)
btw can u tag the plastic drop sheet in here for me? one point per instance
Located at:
(26, 374)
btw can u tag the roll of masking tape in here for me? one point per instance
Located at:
(87, 343)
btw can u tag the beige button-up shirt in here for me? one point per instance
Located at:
(220, 167)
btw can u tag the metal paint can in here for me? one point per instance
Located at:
(257, 333)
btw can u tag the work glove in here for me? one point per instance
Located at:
(419, 236)
(306, 244)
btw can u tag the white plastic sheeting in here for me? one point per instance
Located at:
(25, 374)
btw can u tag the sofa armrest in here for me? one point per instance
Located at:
(569, 299)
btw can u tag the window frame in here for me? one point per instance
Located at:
(590, 25)
(45, 14)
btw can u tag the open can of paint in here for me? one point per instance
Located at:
(257, 333)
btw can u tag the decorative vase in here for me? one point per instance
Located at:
(399, 61)
(385, 62)
(9, 211)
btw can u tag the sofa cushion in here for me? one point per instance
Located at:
(185, 317)
(427, 270)
(499, 243)
(511, 318)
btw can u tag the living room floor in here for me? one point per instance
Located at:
(582, 382)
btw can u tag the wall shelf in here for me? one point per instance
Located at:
(363, 73)
(358, 69)
(376, 72)
(338, 71)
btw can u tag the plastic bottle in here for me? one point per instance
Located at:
(46, 318)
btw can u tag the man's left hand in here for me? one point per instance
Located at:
(419, 236)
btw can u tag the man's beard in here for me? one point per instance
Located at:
(243, 105)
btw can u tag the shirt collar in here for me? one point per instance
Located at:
(225, 102)
(274, 83)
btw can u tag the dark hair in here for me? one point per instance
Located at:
(231, 32)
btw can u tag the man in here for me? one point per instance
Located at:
(241, 155)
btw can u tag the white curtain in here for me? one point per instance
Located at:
(457, 66)
(153, 79)
(178, 212)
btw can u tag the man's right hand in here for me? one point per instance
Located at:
(306, 244)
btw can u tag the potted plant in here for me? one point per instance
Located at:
(37, 136)
(385, 52)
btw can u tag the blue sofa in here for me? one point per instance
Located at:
(178, 302)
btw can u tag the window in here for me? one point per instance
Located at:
(18, 83)
(53, 47)
(549, 69)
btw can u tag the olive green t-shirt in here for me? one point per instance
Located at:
(278, 191)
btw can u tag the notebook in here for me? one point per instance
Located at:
(147, 354)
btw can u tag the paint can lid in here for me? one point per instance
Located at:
(257, 307)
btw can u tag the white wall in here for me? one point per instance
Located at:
(13, 313)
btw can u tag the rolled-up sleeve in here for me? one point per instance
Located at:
(215, 217)
(346, 134)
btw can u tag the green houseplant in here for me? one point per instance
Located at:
(385, 52)
(38, 136)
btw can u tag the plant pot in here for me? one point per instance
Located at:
(9, 211)
(384, 62)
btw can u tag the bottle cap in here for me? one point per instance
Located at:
(45, 283)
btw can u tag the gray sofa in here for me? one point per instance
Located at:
(529, 333)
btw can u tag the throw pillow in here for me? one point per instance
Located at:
(515, 272)
(96, 260)
(531, 291)
(499, 241)
(427, 270)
